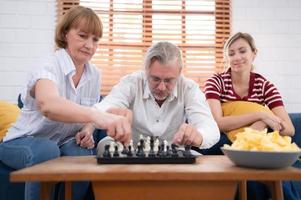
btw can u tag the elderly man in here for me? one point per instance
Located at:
(161, 102)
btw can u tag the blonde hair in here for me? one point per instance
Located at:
(72, 19)
(247, 37)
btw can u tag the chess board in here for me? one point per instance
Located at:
(146, 152)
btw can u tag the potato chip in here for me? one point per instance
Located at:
(254, 140)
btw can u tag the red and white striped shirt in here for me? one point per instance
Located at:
(261, 91)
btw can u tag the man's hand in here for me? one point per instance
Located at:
(122, 112)
(84, 138)
(187, 135)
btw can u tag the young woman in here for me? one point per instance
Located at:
(240, 83)
(240, 97)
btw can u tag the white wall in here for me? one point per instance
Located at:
(27, 31)
(276, 27)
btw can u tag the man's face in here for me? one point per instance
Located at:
(162, 78)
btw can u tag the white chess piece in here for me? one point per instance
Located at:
(147, 144)
(156, 145)
(165, 145)
(141, 137)
(120, 146)
(112, 148)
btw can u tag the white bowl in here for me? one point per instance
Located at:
(261, 159)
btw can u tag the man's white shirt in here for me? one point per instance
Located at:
(186, 103)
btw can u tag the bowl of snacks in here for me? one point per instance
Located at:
(259, 149)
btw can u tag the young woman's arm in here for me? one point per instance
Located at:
(287, 125)
(228, 123)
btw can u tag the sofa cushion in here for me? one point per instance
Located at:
(8, 115)
(239, 108)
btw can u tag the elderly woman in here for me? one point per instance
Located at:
(56, 118)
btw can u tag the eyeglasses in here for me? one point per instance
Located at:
(156, 80)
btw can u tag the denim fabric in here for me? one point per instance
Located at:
(27, 151)
(296, 119)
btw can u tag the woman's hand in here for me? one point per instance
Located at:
(272, 121)
(84, 138)
(118, 127)
(259, 125)
(122, 112)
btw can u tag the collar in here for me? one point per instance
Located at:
(66, 62)
(68, 65)
(252, 74)
(69, 69)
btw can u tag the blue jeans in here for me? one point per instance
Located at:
(27, 151)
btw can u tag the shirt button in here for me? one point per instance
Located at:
(157, 120)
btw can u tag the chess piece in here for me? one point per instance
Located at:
(174, 151)
(187, 152)
(147, 145)
(124, 150)
(130, 153)
(140, 151)
(141, 142)
(161, 152)
(131, 143)
(106, 153)
(116, 153)
(168, 151)
(148, 139)
(151, 141)
(165, 145)
(111, 149)
(151, 152)
(156, 145)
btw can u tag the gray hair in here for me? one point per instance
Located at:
(163, 52)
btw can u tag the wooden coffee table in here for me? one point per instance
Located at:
(212, 177)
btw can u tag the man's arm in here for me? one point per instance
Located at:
(120, 96)
(199, 115)
(117, 102)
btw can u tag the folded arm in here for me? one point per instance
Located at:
(276, 120)
(287, 127)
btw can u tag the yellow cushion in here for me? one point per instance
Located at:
(8, 115)
(235, 108)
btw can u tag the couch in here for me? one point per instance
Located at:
(15, 191)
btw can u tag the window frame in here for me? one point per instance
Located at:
(111, 76)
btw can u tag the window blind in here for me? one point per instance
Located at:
(198, 27)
